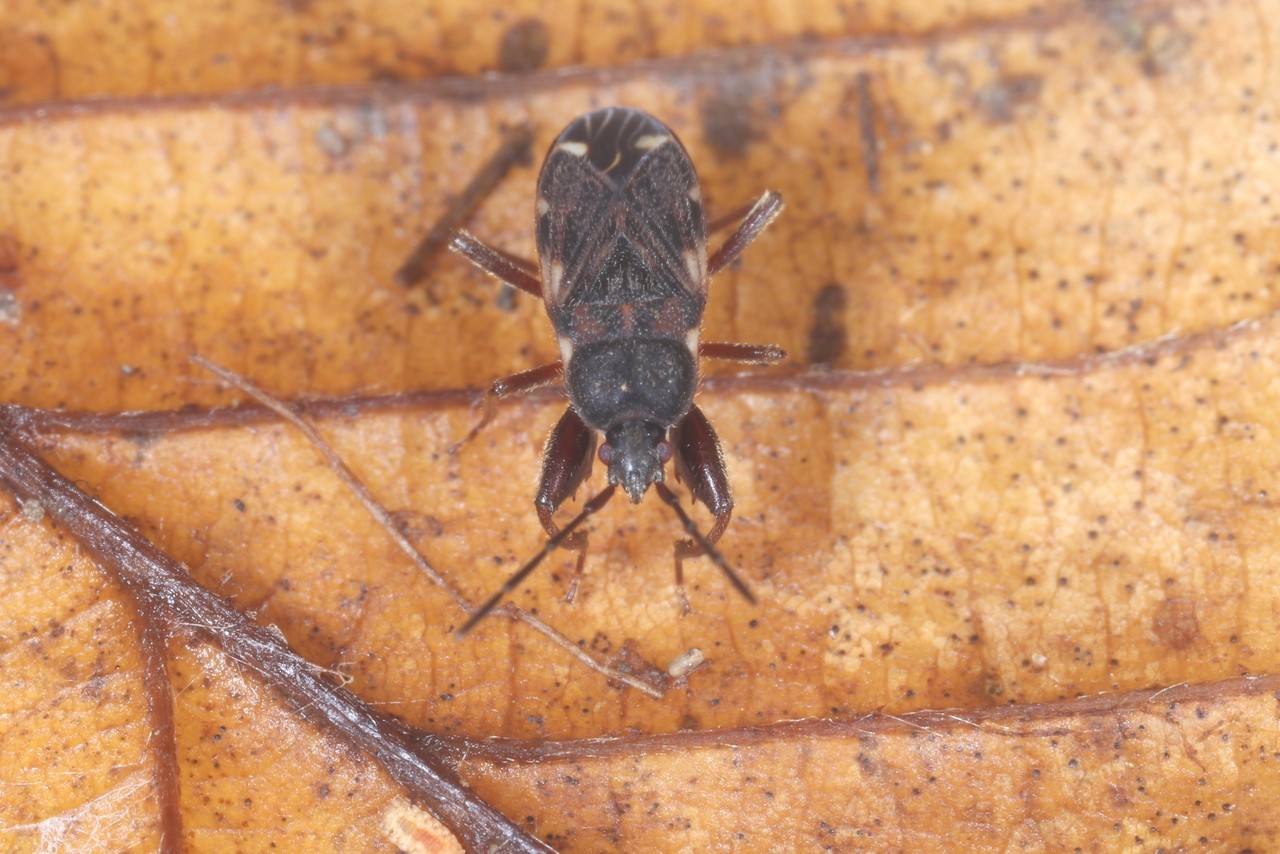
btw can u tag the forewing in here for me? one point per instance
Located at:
(618, 171)
(663, 210)
(577, 221)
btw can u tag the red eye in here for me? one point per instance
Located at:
(605, 453)
(664, 451)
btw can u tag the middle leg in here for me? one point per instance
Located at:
(746, 354)
(520, 383)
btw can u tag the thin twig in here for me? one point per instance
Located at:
(867, 133)
(560, 640)
(164, 589)
(162, 744)
(340, 468)
(384, 519)
(193, 417)
(514, 149)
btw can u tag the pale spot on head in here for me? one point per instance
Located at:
(543, 206)
(691, 341)
(577, 149)
(566, 352)
(650, 141)
(695, 194)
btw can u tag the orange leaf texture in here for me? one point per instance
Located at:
(1009, 505)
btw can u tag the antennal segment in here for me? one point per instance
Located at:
(599, 500)
(711, 551)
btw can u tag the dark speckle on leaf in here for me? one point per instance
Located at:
(828, 335)
(727, 117)
(524, 47)
(1001, 100)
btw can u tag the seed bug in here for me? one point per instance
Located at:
(624, 272)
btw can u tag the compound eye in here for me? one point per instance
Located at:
(664, 451)
(605, 453)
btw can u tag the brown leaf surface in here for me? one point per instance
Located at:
(170, 47)
(1028, 478)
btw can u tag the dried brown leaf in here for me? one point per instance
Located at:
(1028, 480)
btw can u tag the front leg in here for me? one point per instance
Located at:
(566, 462)
(700, 464)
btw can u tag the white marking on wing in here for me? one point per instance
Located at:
(650, 141)
(696, 262)
(553, 280)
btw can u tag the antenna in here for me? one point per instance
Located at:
(711, 551)
(601, 499)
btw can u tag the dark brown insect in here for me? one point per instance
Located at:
(622, 245)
